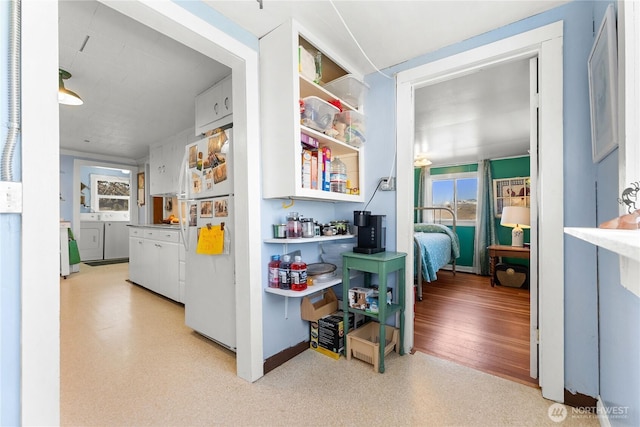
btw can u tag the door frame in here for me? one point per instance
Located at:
(546, 43)
(40, 298)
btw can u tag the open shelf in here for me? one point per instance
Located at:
(622, 242)
(316, 287)
(309, 88)
(310, 239)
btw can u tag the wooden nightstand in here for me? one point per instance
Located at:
(497, 251)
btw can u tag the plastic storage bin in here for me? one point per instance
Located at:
(363, 343)
(349, 89)
(318, 114)
(350, 127)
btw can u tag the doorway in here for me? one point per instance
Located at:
(40, 238)
(546, 43)
(484, 114)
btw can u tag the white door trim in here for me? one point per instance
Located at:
(546, 43)
(181, 25)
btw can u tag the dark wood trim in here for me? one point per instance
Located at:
(287, 354)
(579, 400)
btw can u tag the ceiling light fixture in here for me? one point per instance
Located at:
(421, 160)
(65, 96)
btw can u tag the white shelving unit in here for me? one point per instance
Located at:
(625, 243)
(282, 87)
(317, 286)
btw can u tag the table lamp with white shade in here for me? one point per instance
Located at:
(517, 217)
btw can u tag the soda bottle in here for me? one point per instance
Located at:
(298, 274)
(284, 271)
(274, 271)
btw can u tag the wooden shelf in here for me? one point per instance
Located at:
(622, 242)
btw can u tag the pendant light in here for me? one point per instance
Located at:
(65, 96)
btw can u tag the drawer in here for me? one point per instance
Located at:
(162, 235)
(136, 232)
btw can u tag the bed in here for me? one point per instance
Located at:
(435, 244)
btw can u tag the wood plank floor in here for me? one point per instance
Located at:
(463, 319)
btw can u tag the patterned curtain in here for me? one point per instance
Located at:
(485, 224)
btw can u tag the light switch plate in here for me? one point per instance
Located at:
(10, 197)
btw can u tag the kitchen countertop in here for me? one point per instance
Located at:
(172, 226)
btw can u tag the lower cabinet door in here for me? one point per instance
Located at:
(166, 269)
(136, 260)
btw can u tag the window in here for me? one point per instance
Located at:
(110, 194)
(457, 191)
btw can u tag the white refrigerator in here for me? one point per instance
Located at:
(207, 203)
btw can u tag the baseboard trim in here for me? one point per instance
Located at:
(287, 354)
(579, 400)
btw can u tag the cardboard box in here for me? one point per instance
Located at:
(358, 297)
(306, 168)
(327, 334)
(309, 141)
(326, 168)
(373, 301)
(314, 170)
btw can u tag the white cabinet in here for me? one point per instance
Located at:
(116, 236)
(137, 259)
(214, 107)
(164, 161)
(281, 88)
(155, 260)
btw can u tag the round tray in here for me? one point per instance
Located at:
(321, 270)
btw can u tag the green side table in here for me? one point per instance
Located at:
(382, 264)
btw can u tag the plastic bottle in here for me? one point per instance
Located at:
(338, 176)
(274, 271)
(284, 271)
(298, 274)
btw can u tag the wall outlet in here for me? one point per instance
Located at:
(387, 184)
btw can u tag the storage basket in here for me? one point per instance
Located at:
(363, 343)
(349, 89)
(350, 127)
(318, 114)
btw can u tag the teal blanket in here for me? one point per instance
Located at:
(439, 246)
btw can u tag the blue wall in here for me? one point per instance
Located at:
(66, 183)
(619, 309)
(10, 230)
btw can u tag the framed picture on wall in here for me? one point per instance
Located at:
(603, 86)
(141, 189)
(511, 192)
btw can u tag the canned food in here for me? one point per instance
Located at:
(279, 231)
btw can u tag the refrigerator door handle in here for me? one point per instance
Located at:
(182, 200)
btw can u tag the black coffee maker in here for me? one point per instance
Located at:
(371, 232)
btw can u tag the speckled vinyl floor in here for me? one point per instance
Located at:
(127, 359)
